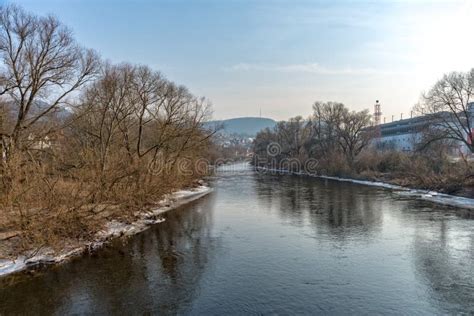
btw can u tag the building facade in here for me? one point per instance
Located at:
(406, 134)
(403, 135)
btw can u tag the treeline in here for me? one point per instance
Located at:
(335, 141)
(334, 136)
(80, 136)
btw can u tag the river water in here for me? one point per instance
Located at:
(271, 244)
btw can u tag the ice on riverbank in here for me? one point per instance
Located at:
(112, 230)
(426, 195)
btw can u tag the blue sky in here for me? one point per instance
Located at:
(281, 56)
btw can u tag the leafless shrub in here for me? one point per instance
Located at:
(85, 142)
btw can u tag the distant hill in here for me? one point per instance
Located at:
(249, 126)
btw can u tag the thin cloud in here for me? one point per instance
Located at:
(312, 68)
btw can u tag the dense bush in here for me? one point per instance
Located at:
(84, 141)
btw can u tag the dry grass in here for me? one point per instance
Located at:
(44, 206)
(76, 146)
(431, 170)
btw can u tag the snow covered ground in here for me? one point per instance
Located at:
(113, 229)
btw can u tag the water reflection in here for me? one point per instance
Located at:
(332, 208)
(443, 240)
(158, 270)
(444, 258)
(271, 244)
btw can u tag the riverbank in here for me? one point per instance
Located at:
(111, 230)
(426, 195)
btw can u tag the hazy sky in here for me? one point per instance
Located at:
(281, 56)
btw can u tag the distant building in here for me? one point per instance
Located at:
(39, 144)
(401, 135)
(406, 134)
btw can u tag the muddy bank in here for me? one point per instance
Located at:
(112, 229)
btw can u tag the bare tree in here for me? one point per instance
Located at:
(133, 112)
(42, 66)
(261, 142)
(333, 135)
(354, 133)
(109, 123)
(292, 136)
(334, 127)
(326, 118)
(449, 109)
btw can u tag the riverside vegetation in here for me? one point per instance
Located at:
(84, 141)
(340, 142)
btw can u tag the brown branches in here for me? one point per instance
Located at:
(43, 65)
(330, 133)
(449, 108)
(77, 134)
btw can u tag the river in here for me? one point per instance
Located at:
(271, 244)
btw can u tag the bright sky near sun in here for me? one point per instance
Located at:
(281, 56)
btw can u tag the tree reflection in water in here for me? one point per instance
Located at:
(443, 251)
(332, 208)
(273, 244)
(442, 240)
(159, 270)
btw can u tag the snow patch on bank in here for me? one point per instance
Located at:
(426, 195)
(113, 229)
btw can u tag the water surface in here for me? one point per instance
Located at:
(271, 244)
